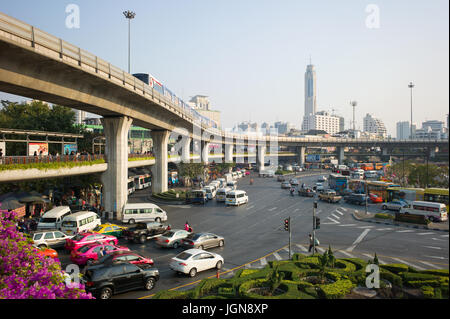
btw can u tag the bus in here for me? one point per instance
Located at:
(338, 182)
(131, 185)
(142, 181)
(367, 166)
(406, 194)
(378, 188)
(436, 195)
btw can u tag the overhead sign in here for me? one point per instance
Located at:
(313, 158)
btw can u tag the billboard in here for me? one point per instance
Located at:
(313, 158)
(36, 149)
(69, 148)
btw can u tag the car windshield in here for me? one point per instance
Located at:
(84, 249)
(184, 256)
(168, 234)
(68, 223)
(194, 236)
(98, 228)
(78, 237)
(48, 220)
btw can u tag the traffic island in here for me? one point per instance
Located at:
(383, 219)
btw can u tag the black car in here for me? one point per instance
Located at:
(144, 230)
(305, 192)
(104, 281)
(358, 199)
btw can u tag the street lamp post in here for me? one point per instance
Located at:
(129, 15)
(411, 86)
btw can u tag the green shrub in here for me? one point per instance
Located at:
(384, 216)
(394, 279)
(312, 291)
(173, 294)
(437, 272)
(358, 262)
(302, 285)
(410, 276)
(395, 268)
(357, 277)
(246, 272)
(344, 265)
(226, 291)
(420, 283)
(336, 290)
(244, 287)
(427, 291)
(333, 275)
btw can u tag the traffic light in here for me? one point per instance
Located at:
(286, 224)
(316, 223)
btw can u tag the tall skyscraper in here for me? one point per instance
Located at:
(403, 130)
(310, 91)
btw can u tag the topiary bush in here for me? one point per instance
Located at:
(336, 290)
(358, 262)
(395, 268)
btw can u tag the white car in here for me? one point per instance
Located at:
(192, 261)
(319, 187)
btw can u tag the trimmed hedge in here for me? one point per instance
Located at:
(384, 216)
(437, 272)
(421, 283)
(394, 279)
(395, 268)
(336, 290)
(358, 262)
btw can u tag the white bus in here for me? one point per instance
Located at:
(432, 211)
(142, 181)
(131, 185)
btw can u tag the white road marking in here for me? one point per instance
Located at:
(321, 250)
(358, 240)
(405, 231)
(428, 264)
(278, 257)
(333, 220)
(303, 248)
(436, 257)
(438, 239)
(432, 247)
(347, 225)
(338, 217)
(272, 209)
(421, 234)
(346, 254)
(342, 214)
(286, 249)
(444, 235)
(344, 209)
(297, 209)
(407, 263)
(250, 207)
(263, 262)
(382, 229)
(366, 227)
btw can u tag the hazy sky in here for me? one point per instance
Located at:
(250, 56)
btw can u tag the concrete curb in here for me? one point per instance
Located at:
(370, 220)
(161, 202)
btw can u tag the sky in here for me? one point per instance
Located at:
(250, 56)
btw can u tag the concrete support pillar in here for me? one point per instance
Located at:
(205, 152)
(301, 155)
(260, 156)
(115, 190)
(341, 156)
(159, 170)
(186, 150)
(384, 151)
(229, 153)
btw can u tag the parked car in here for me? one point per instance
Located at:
(88, 253)
(375, 199)
(89, 238)
(107, 280)
(285, 185)
(394, 205)
(358, 199)
(319, 187)
(203, 240)
(141, 232)
(50, 238)
(131, 257)
(192, 261)
(110, 229)
(172, 238)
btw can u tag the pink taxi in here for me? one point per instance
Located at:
(91, 252)
(89, 238)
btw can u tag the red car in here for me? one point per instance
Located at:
(375, 199)
(89, 238)
(125, 256)
(48, 252)
(90, 252)
(247, 173)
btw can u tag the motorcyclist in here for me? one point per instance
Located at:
(292, 190)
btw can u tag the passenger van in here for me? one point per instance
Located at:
(80, 222)
(142, 212)
(358, 174)
(232, 185)
(210, 192)
(221, 194)
(432, 211)
(53, 218)
(222, 181)
(237, 198)
(235, 175)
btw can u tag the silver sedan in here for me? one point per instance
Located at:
(172, 238)
(203, 240)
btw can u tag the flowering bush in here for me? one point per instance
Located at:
(24, 274)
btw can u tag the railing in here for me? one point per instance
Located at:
(42, 41)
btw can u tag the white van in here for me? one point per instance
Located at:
(232, 185)
(53, 218)
(358, 174)
(143, 212)
(80, 222)
(234, 175)
(210, 191)
(221, 195)
(432, 211)
(237, 198)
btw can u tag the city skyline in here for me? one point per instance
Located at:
(371, 66)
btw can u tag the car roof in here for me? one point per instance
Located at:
(44, 231)
(194, 251)
(55, 212)
(236, 192)
(78, 214)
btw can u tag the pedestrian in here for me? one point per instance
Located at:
(311, 243)
(1, 156)
(186, 226)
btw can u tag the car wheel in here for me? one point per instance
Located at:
(158, 220)
(200, 247)
(142, 239)
(221, 243)
(219, 264)
(384, 207)
(42, 246)
(106, 293)
(131, 221)
(149, 284)
(176, 245)
(193, 272)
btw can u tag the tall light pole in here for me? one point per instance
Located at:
(129, 15)
(411, 86)
(353, 104)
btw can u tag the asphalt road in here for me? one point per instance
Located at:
(254, 233)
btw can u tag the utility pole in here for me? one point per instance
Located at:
(411, 86)
(129, 15)
(314, 222)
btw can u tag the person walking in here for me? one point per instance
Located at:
(313, 243)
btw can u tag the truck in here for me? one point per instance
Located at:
(330, 196)
(144, 231)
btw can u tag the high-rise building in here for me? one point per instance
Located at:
(202, 104)
(310, 91)
(322, 121)
(374, 125)
(403, 130)
(283, 127)
(433, 125)
(341, 124)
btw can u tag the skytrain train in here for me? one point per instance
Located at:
(161, 89)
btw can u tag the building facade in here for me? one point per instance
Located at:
(403, 130)
(322, 121)
(374, 125)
